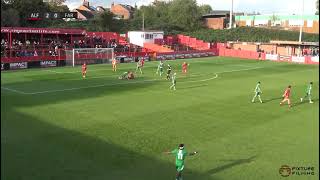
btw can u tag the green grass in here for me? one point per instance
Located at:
(61, 127)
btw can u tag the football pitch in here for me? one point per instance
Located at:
(57, 126)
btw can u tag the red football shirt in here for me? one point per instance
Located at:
(287, 93)
(84, 67)
(184, 66)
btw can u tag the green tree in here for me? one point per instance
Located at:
(57, 2)
(10, 17)
(57, 6)
(104, 21)
(107, 22)
(170, 16)
(274, 18)
(22, 9)
(17, 12)
(250, 34)
(185, 14)
(205, 9)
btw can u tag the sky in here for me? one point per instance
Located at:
(262, 6)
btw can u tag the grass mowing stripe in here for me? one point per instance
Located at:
(113, 84)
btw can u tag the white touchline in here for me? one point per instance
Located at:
(112, 84)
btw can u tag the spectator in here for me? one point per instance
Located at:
(56, 49)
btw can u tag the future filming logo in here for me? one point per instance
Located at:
(286, 171)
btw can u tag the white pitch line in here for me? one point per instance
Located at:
(201, 79)
(108, 84)
(240, 70)
(13, 90)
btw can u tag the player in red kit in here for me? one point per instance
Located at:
(286, 96)
(142, 62)
(184, 67)
(114, 65)
(84, 70)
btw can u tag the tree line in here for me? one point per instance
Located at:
(251, 34)
(175, 15)
(16, 13)
(172, 17)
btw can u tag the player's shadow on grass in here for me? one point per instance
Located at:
(304, 102)
(231, 164)
(37, 150)
(272, 99)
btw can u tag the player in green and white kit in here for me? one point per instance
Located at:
(169, 72)
(308, 93)
(257, 92)
(124, 75)
(139, 66)
(180, 154)
(173, 80)
(160, 68)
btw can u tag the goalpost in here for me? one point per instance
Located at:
(89, 56)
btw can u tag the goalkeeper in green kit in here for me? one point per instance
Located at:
(257, 92)
(180, 154)
(308, 93)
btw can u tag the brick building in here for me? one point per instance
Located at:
(122, 11)
(285, 22)
(217, 19)
(85, 11)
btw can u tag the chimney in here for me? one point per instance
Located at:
(86, 3)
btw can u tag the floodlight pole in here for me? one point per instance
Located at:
(231, 12)
(301, 25)
(142, 21)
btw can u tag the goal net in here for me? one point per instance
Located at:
(89, 56)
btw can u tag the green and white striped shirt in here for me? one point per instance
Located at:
(308, 91)
(257, 89)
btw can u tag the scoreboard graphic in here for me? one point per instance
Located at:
(35, 16)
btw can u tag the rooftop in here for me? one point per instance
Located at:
(217, 13)
(280, 17)
(86, 14)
